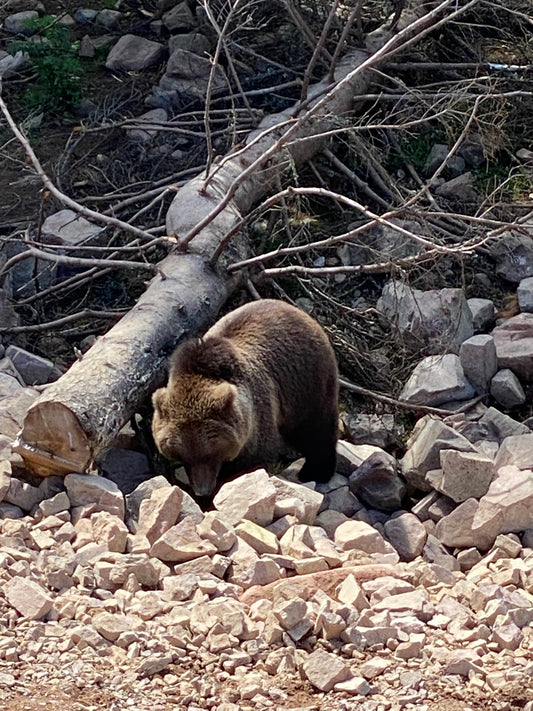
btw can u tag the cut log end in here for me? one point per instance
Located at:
(52, 441)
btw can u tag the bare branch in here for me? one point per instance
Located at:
(56, 323)
(404, 404)
(318, 50)
(403, 39)
(75, 261)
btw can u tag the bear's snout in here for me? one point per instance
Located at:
(203, 478)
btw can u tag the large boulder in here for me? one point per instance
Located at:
(437, 379)
(132, 54)
(423, 453)
(513, 253)
(377, 483)
(479, 361)
(435, 321)
(507, 506)
(514, 345)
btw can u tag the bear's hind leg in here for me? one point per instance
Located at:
(317, 442)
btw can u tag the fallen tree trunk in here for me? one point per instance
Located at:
(81, 413)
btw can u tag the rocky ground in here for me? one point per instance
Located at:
(276, 598)
(405, 582)
(402, 583)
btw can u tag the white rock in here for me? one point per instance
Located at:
(86, 489)
(438, 318)
(290, 612)
(375, 666)
(58, 503)
(329, 625)
(516, 450)
(356, 686)
(437, 379)
(360, 536)
(112, 625)
(350, 593)
(297, 542)
(154, 664)
(110, 530)
(423, 453)
(324, 670)
(215, 528)
(181, 543)
(180, 587)
(29, 598)
(328, 551)
(479, 361)
(385, 586)
(304, 566)
(310, 499)
(463, 662)
(251, 496)
(407, 534)
(259, 538)
(248, 569)
(365, 637)
(468, 558)
(290, 506)
(514, 345)
(415, 602)
(507, 506)
(197, 566)
(159, 512)
(22, 494)
(411, 649)
(501, 426)
(465, 475)
(455, 529)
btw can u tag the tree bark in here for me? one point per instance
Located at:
(81, 413)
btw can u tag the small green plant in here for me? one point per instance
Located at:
(414, 151)
(54, 56)
(502, 179)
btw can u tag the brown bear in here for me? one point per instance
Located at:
(263, 376)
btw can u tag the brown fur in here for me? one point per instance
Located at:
(263, 376)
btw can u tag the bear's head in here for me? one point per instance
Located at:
(202, 423)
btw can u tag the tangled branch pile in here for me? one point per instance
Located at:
(419, 180)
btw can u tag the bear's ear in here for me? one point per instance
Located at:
(158, 398)
(223, 394)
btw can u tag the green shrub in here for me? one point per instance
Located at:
(414, 150)
(55, 59)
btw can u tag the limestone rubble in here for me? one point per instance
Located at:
(212, 611)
